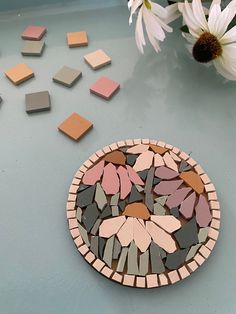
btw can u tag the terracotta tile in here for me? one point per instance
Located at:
(209, 187)
(74, 233)
(142, 238)
(168, 222)
(126, 232)
(83, 249)
(212, 196)
(106, 272)
(216, 214)
(71, 214)
(33, 32)
(163, 280)
(75, 126)
(138, 149)
(214, 205)
(77, 39)
(204, 251)
(192, 179)
(140, 282)
(134, 176)
(215, 224)
(152, 281)
(117, 277)
(94, 174)
(70, 206)
(98, 264)
(137, 210)
(213, 234)
(210, 244)
(110, 181)
(129, 280)
(111, 226)
(183, 271)
(205, 178)
(169, 161)
(199, 170)
(78, 241)
(199, 259)
(105, 87)
(173, 276)
(115, 157)
(192, 266)
(97, 59)
(158, 149)
(19, 73)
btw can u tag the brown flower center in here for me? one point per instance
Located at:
(207, 48)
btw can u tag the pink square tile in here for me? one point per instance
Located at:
(199, 259)
(74, 233)
(163, 279)
(98, 264)
(215, 224)
(213, 234)
(214, 205)
(71, 214)
(117, 277)
(140, 282)
(183, 271)
(73, 189)
(76, 181)
(70, 205)
(104, 87)
(192, 266)
(73, 223)
(90, 257)
(33, 32)
(173, 276)
(78, 241)
(210, 244)
(83, 249)
(204, 251)
(128, 280)
(106, 271)
(152, 281)
(216, 214)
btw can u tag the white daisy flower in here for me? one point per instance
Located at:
(155, 18)
(209, 39)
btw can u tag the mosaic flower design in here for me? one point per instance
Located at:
(146, 211)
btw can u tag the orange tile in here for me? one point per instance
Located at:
(77, 39)
(19, 73)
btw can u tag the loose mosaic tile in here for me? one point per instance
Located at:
(19, 74)
(97, 59)
(77, 39)
(67, 76)
(33, 32)
(105, 87)
(33, 48)
(156, 239)
(36, 102)
(75, 126)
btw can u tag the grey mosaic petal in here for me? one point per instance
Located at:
(84, 234)
(135, 196)
(161, 200)
(106, 212)
(131, 159)
(115, 199)
(122, 260)
(162, 253)
(144, 263)
(100, 197)
(133, 260)
(116, 249)
(202, 234)
(192, 252)
(175, 212)
(157, 265)
(156, 181)
(143, 174)
(79, 214)
(149, 180)
(149, 202)
(86, 197)
(159, 209)
(139, 188)
(82, 187)
(101, 246)
(188, 234)
(122, 205)
(184, 166)
(176, 259)
(94, 245)
(90, 216)
(96, 226)
(115, 210)
(108, 251)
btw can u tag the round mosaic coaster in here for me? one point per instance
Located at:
(143, 213)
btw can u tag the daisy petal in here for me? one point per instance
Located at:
(139, 36)
(229, 37)
(152, 25)
(172, 13)
(214, 15)
(134, 7)
(224, 69)
(214, 2)
(199, 14)
(190, 20)
(158, 10)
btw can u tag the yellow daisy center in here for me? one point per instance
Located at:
(147, 4)
(207, 48)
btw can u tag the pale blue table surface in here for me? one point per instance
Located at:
(165, 96)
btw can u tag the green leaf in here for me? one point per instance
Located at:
(184, 29)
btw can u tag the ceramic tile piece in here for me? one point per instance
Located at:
(115, 157)
(184, 166)
(126, 232)
(158, 149)
(115, 210)
(133, 260)
(74, 233)
(105, 87)
(125, 183)
(77, 39)
(115, 199)
(135, 196)
(158, 160)
(149, 180)
(134, 177)
(67, 76)
(161, 200)
(156, 181)
(128, 280)
(143, 263)
(199, 259)
(106, 272)
(170, 163)
(158, 209)
(122, 205)
(168, 223)
(116, 249)
(83, 249)
(140, 282)
(107, 212)
(94, 245)
(192, 266)
(75, 126)
(152, 281)
(210, 187)
(86, 197)
(215, 224)
(212, 196)
(210, 244)
(117, 277)
(90, 215)
(19, 73)
(36, 102)
(176, 259)
(203, 215)
(137, 210)
(110, 181)
(100, 197)
(162, 253)
(213, 234)
(215, 214)
(33, 32)
(214, 205)
(101, 246)
(137, 149)
(177, 197)
(122, 260)
(192, 179)
(163, 279)
(95, 228)
(175, 212)
(139, 188)
(33, 48)
(192, 252)
(160, 237)
(202, 234)
(167, 187)
(175, 157)
(97, 59)
(131, 159)
(108, 251)
(205, 178)
(94, 174)
(166, 173)
(187, 206)
(183, 271)
(157, 265)
(204, 251)
(90, 257)
(173, 276)
(143, 174)
(142, 238)
(149, 202)
(84, 234)
(78, 242)
(188, 234)
(144, 161)
(111, 226)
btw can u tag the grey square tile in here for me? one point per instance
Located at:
(33, 48)
(39, 101)
(67, 76)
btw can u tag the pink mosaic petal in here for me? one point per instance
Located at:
(203, 215)
(138, 149)
(111, 226)
(177, 198)
(160, 237)
(125, 184)
(110, 180)
(168, 222)
(144, 161)
(158, 160)
(126, 232)
(169, 161)
(166, 173)
(187, 207)
(94, 174)
(167, 187)
(142, 238)
(134, 177)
